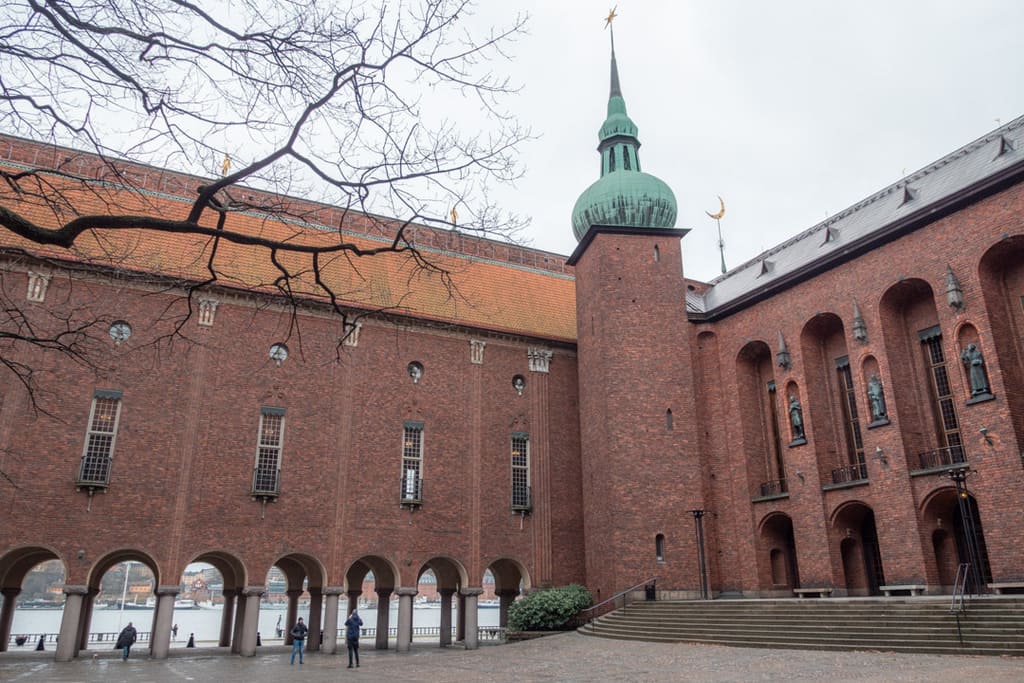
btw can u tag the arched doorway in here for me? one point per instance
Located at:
(376, 574)
(15, 566)
(225, 596)
(957, 538)
(304, 580)
(126, 579)
(510, 581)
(780, 572)
(854, 524)
(450, 578)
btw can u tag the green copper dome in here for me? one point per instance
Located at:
(623, 196)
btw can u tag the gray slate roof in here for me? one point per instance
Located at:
(954, 172)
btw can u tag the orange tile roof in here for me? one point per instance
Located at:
(487, 293)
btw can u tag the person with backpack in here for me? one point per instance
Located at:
(298, 634)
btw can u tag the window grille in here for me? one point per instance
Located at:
(948, 427)
(848, 399)
(100, 436)
(412, 464)
(520, 471)
(266, 477)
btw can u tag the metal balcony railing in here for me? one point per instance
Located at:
(521, 498)
(850, 473)
(411, 492)
(775, 487)
(94, 472)
(942, 457)
(266, 483)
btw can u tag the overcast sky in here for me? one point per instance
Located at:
(790, 110)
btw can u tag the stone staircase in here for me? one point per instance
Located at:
(991, 625)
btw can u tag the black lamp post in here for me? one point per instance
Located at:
(698, 525)
(959, 477)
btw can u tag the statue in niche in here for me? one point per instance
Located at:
(975, 362)
(796, 417)
(876, 397)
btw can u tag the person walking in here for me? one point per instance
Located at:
(125, 640)
(352, 626)
(174, 632)
(298, 633)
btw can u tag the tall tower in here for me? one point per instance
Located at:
(641, 469)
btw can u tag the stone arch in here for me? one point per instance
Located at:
(924, 386)
(777, 562)
(1001, 273)
(234, 577)
(759, 418)
(943, 520)
(831, 409)
(856, 541)
(14, 565)
(452, 579)
(510, 577)
(386, 580)
(299, 569)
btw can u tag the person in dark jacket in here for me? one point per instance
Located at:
(298, 634)
(125, 640)
(352, 626)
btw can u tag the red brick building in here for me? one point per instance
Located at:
(843, 413)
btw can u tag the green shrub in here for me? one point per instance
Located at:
(548, 609)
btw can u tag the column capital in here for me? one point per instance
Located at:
(471, 591)
(510, 592)
(405, 590)
(334, 590)
(76, 590)
(446, 592)
(167, 590)
(296, 592)
(384, 592)
(253, 590)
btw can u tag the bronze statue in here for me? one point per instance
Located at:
(796, 417)
(975, 362)
(876, 397)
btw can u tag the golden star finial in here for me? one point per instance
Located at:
(611, 16)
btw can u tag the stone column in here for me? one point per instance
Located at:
(7, 615)
(505, 600)
(251, 597)
(460, 624)
(160, 639)
(446, 616)
(236, 631)
(316, 602)
(293, 613)
(70, 622)
(83, 622)
(405, 596)
(331, 619)
(471, 636)
(383, 617)
(226, 619)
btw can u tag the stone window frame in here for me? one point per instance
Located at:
(411, 478)
(520, 471)
(100, 440)
(266, 472)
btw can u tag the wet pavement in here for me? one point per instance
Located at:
(563, 657)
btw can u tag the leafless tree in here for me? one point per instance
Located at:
(359, 106)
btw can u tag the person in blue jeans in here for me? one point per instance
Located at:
(298, 633)
(125, 640)
(352, 626)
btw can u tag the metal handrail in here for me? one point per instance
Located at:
(959, 603)
(579, 618)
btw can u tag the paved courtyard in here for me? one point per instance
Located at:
(564, 657)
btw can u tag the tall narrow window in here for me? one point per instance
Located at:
(412, 463)
(951, 448)
(266, 476)
(611, 159)
(775, 467)
(625, 158)
(659, 547)
(856, 470)
(520, 471)
(99, 440)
